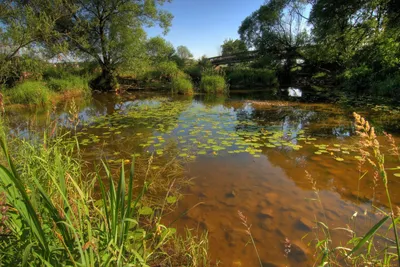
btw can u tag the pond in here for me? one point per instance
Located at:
(246, 152)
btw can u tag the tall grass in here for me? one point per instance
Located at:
(55, 219)
(213, 84)
(29, 92)
(69, 83)
(182, 85)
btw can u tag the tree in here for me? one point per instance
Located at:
(111, 32)
(277, 30)
(347, 28)
(25, 25)
(183, 52)
(230, 47)
(158, 49)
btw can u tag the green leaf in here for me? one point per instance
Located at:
(171, 199)
(368, 236)
(146, 211)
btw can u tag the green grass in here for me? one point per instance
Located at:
(69, 83)
(54, 217)
(213, 84)
(182, 85)
(30, 92)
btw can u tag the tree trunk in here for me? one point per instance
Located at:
(107, 81)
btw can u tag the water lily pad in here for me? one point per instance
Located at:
(145, 211)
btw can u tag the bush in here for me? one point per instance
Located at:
(389, 87)
(68, 83)
(213, 84)
(252, 77)
(357, 79)
(30, 92)
(182, 85)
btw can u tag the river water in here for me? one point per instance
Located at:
(246, 152)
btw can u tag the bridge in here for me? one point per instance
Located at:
(234, 58)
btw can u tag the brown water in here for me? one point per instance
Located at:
(245, 153)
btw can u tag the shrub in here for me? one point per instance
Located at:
(213, 84)
(389, 87)
(182, 85)
(357, 79)
(252, 77)
(68, 83)
(30, 92)
(194, 72)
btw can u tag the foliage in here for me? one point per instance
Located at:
(167, 70)
(159, 50)
(27, 24)
(183, 52)
(276, 29)
(54, 219)
(111, 32)
(30, 92)
(230, 47)
(251, 77)
(68, 83)
(388, 87)
(182, 85)
(213, 84)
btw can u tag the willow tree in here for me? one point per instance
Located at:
(111, 32)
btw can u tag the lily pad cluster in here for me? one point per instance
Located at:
(195, 129)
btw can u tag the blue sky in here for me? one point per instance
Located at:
(203, 25)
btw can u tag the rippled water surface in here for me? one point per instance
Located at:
(245, 153)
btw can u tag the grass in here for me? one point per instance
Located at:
(182, 85)
(57, 215)
(30, 92)
(213, 84)
(41, 93)
(69, 83)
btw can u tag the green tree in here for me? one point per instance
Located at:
(183, 52)
(230, 47)
(111, 32)
(277, 30)
(158, 49)
(25, 25)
